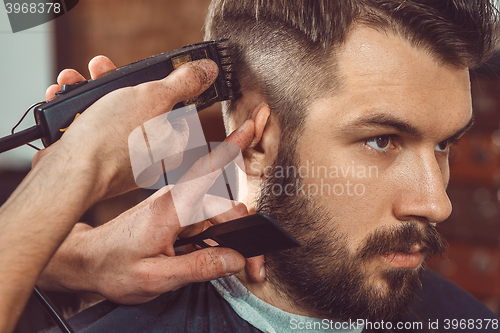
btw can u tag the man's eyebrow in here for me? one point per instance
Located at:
(390, 121)
(461, 131)
(384, 120)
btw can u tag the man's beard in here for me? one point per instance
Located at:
(323, 276)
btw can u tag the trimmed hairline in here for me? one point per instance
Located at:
(228, 106)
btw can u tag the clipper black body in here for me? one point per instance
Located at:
(252, 235)
(56, 115)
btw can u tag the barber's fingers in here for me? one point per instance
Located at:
(67, 76)
(187, 81)
(99, 66)
(237, 211)
(157, 97)
(50, 93)
(242, 137)
(209, 167)
(178, 139)
(190, 190)
(255, 269)
(212, 206)
(254, 266)
(203, 265)
(166, 143)
(193, 186)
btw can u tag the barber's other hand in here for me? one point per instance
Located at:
(98, 140)
(131, 259)
(125, 259)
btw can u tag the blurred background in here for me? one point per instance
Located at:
(126, 31)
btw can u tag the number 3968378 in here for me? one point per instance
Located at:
(33, 8)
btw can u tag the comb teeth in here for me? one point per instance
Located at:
(231, 85)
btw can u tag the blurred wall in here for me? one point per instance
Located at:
(473, 229)
(26, 70)
(127, 30)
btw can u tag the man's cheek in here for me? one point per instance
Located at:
(357, 203)
(338, 182)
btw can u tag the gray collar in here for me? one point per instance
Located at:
(270, 319)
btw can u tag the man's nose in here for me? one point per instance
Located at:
(423, 191)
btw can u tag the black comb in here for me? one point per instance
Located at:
(252, 235)
(54, 116)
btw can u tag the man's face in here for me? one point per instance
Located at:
(372, 163)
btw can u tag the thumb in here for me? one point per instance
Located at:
(205, 265)
(185, 82)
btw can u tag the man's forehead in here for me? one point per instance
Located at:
(383, 74)
(370, 55)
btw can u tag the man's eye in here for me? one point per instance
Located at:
(383, 142)
(442, 146)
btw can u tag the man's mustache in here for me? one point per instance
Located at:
(401, 239)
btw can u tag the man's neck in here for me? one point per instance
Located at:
(269, 293)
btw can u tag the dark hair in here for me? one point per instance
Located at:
(285, 49)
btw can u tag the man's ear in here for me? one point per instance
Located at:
(262, 152)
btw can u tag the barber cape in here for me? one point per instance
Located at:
(225, 305)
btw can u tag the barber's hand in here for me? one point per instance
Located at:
(98, 67)
(132, 260)
(98, 139)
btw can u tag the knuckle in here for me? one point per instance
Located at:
(186, 81)
(206, 266)
(154, 96)
(160, 204)
(146, 281)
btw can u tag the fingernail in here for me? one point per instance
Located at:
(262, 272)
(210, 69)
(257, 108)
(242, 126)
(230, 263)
